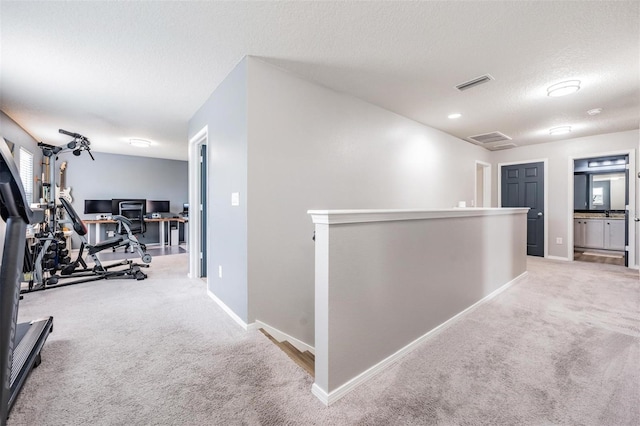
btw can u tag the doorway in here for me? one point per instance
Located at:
(483, 184)
(202, 209)
(198, 190)
(600, 209)
(523, 185)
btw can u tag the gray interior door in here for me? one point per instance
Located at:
(523, 186)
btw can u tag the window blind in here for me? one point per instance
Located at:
(26, 173)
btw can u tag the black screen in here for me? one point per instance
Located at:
(115, 204)
(158, 206)
(97, 206)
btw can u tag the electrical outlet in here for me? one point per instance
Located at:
(559, 240)
(220, 271)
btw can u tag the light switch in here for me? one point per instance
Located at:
(235, 198)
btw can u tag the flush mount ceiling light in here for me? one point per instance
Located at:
(565, 88)
(594, 111)
(140, 143)
(454, 115)
(560, 130)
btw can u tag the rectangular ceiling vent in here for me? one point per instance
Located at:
(489, 138)
(475, 82)
(502, 146)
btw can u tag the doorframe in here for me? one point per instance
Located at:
(545, 161)
(631, 228)
(200, 138)
(486, 183)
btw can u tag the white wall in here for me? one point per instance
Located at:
(314, 148)
(225, 115)
(11, 131)
(379, 286)
(560, 178)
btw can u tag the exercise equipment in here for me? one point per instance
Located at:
(49, 254)
(20, 344)
(126, 239)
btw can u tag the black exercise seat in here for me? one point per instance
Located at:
(102, 245)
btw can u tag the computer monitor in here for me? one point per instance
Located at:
(185, 209)
(158, 206)
(97, 206)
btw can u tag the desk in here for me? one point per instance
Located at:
(162, 223)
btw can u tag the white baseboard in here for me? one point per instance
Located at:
(566, 259)
(229, 312)
(333, 396)
(282, 336)
(320, 394)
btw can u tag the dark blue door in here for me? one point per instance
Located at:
(523, 186)
(203, 210)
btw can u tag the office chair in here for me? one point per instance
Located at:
(134, 211)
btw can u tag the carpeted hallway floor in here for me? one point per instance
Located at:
(560, 347)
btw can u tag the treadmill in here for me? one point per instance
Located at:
(20, 344)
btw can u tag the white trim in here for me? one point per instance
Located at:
(565, 259)
(333, 396)
(486, 183)
(230, 312)
(201, 137)
(281, 336)
(546, 194)
(631, 208)
(321, 395)
(332, 217)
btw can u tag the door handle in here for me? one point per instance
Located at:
(637, 219)
(539, 214)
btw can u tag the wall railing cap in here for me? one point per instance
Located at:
(331, 217)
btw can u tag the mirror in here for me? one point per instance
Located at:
(600, 184)
(600, 191)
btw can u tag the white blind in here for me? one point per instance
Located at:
(26, 173)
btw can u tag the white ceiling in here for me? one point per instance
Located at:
(116, 70)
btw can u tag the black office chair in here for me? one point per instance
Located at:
(134, 211)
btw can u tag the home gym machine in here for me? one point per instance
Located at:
(20, 344)
(49, 253)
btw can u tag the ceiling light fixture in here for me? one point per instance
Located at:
(454, 115)
(594, 111)
(560, 130)
(565, 88)
(139, 143)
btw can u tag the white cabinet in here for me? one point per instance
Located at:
(594, 233)
(600, 233)
(614, 233)
(578, 232)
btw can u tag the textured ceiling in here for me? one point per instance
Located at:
(117, 70)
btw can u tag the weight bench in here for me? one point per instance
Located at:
(126, 239)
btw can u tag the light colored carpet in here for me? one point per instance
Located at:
(560, 347)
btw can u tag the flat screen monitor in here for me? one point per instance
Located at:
(154, 206)
(97, 206)
(115, 204)
(185, 208)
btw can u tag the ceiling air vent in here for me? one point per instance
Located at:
(502, 146)
(489, 137)
(474, 82)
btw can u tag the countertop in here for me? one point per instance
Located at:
(598, 216)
